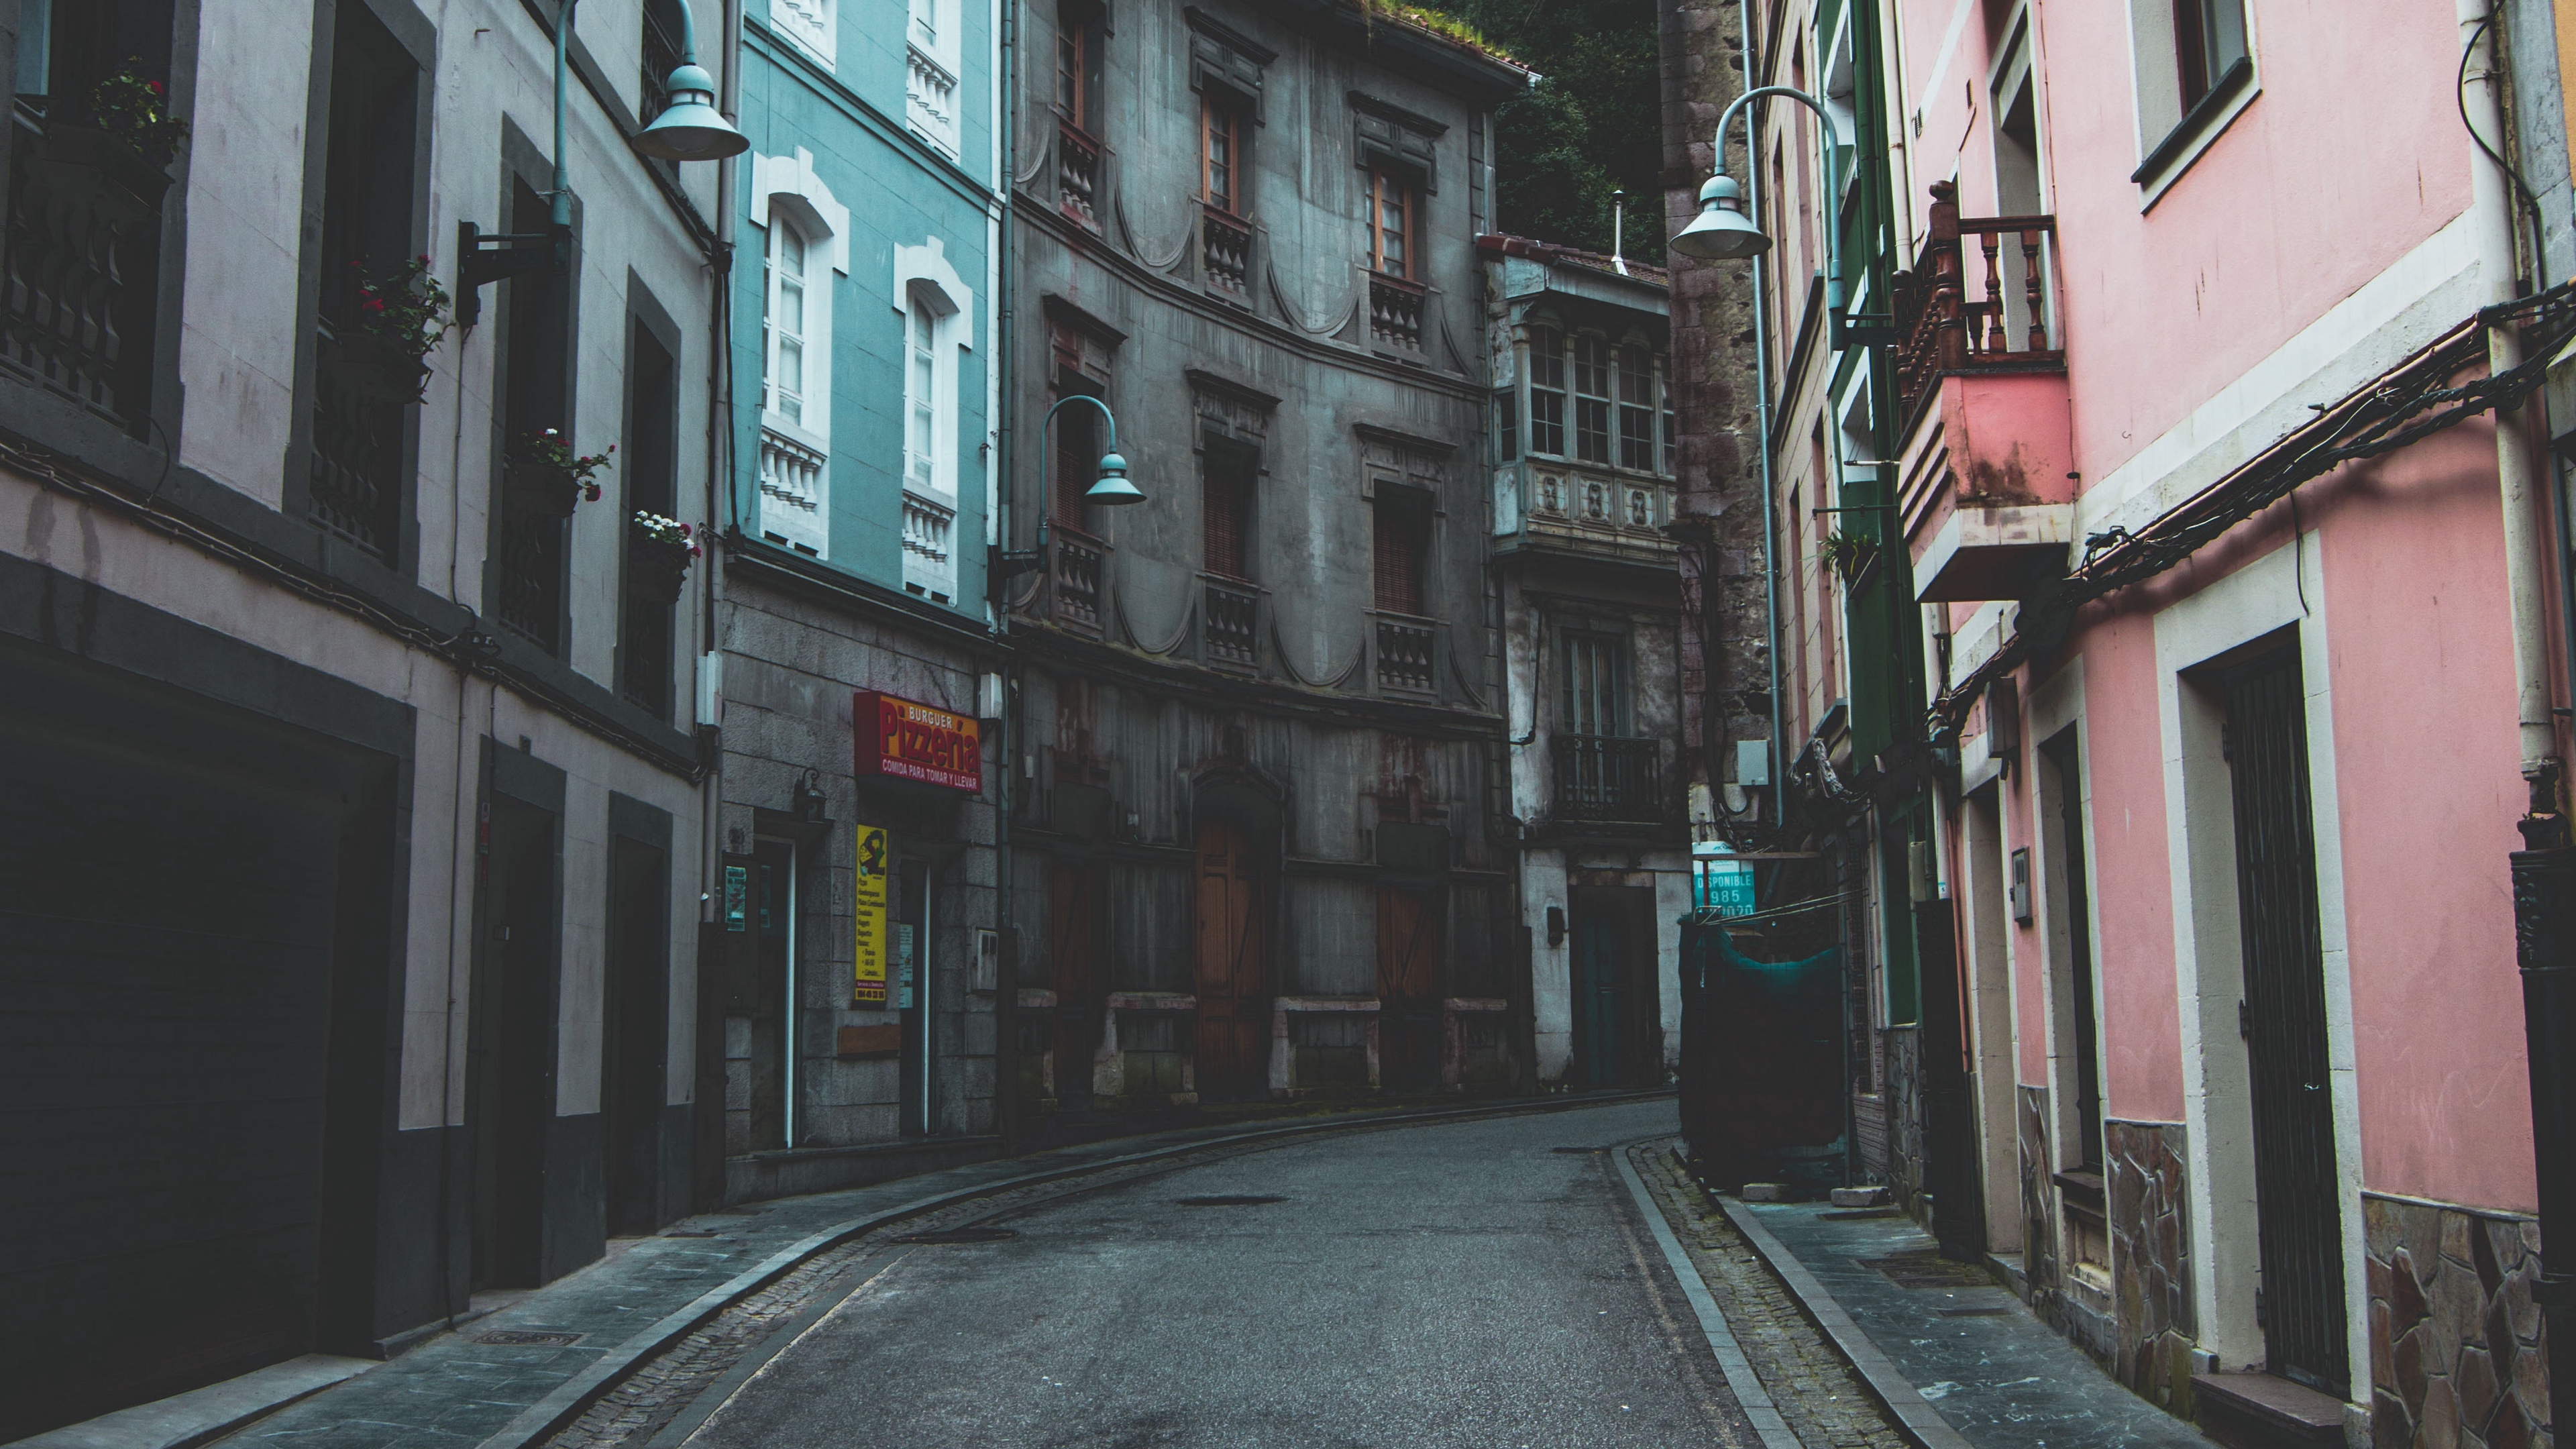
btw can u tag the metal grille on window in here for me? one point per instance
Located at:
(1591, 398)
(1226, 499)
(1399, 546)
(1547, 391)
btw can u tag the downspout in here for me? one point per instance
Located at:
(2544, 870)
(1779, 767)
(1006, 977)
(720, 424)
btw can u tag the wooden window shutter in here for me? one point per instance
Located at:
(1225, 506)
(1399, 557)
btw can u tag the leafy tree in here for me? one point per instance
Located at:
(1590, 127)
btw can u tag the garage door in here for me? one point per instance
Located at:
(166, 918)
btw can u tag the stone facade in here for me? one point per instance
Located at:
(2456, 1351)
(2154, 1324)
(2038, 1202)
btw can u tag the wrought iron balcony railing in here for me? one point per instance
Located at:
(1604, 777)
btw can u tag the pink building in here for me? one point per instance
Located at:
(2237, 768)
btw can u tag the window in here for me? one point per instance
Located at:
(921, 395)
(1591, 398)
(1636, 409)
(1077, 65)
(1547, 391)
(925, 25)
(661, 54)
(1225, 505)
(782, 389)
(1402, 529)
(1077, 456)
(1507, 427)
(2209, 39)
(1672, 427)
(1591, 698)
(1221, 153)
(536, 364)
(930, 74)
(648, 465)
(1391, 219)
(809, 23)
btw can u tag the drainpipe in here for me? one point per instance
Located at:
(2544, 870)
(1006, 975)
(1762, 442)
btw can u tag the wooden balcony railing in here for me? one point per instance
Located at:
(1077, 173)
(1940, 330)
(83, 259)
(1077, 585)
(1395, 311)
(1232, 617)
(1406, 649)
(1603, 777)
(1225, 249)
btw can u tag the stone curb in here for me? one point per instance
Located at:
(570, 1399)
(1915, 1416)
(1750, 1395)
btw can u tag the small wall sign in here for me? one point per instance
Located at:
(868, 901)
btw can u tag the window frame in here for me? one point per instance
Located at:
(1229, 486)
(929, 402)
(772, 335)
(1408, 192)
(1412, 513)
(1593, 411)
(1216, 106)
(1635, 416)
(1079, 90)
(1547, 384)
(1609, 693)
(2175, 127)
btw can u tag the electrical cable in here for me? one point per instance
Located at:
(2460, 97)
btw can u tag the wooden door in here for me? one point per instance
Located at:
(1600, 1000)
(1232, 961)
(1408, 987)
(1071, 929)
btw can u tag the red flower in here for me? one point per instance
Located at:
(693, 550)
(684, 530)
(155, 85)
(375, 304)
(591, 493)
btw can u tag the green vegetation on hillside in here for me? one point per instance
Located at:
(1588, 128)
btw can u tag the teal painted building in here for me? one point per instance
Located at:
(861, 308)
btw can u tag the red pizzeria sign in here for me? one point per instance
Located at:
(901, 740)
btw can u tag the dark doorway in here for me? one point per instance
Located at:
(1231, 963)
(510, 1077)
(2300, 1304)
(773, 906)
(912, 991)
(1409, 957)
(1072, 932)
(1612, 949)
(637, 1012)
(2065, 795)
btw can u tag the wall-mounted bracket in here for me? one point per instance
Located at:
(496, 256)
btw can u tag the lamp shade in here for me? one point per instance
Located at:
(690, 128)
(1113, 487)
(1721, 232)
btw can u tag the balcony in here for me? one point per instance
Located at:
(1395, 312)
(1986, 490)
(1074, 583)
(1407, 648)
(1225, 250)
(1585, 508)
(355, 482)
(1606, 778)
(1230, 628)
(930, 102)
(1077, 173)
(792, 481)
(929, 551)
(83, 260)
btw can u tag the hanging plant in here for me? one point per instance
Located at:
(401, 314)
(549, 480)
(136, 111)
(658, 551)
(1848, 554)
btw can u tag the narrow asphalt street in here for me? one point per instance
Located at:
(1467, 1284)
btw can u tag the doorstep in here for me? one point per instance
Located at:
(2261, 1411)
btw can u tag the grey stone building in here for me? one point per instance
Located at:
(1586, 568)
(1261, 839)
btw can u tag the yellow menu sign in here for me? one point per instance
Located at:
(868, 899)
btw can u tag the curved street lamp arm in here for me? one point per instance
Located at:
(1833, 142)
(1073, 397)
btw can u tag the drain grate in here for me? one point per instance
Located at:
(1229, 1199)
(1926, 1268)
(945, 1236)
(527, 1338)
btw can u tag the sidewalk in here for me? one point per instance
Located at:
(1994, 1373)
(560, 1347)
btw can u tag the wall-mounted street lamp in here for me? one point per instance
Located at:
(690, 128)
(1723, 232)
(1112, 491)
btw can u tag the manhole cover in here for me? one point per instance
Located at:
(1229, 1199)
(527, 1338)
(961, 1235)
(1970, 1312)
(1928, 1269)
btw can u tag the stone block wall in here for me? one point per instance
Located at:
(2155, 1325)
(2456, 1352)
(2038, 1201)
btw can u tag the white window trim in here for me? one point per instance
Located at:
(786, 187)
(924, 278)
(2155, 17)
(812, 26)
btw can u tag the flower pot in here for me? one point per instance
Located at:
(532, 489)
(380, 369)
(656, 570)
